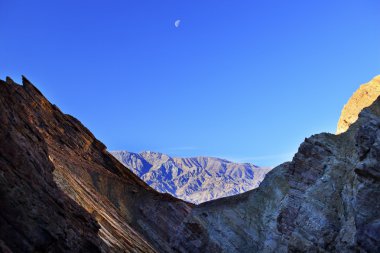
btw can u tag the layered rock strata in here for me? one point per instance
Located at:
(59, 185)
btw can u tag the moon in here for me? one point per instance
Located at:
(177, 23)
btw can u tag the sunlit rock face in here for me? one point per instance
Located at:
(35, 214)
(197, 179)
(61, 191)
(363, 97)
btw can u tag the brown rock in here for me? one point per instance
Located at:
(68, 159)
(35, 215)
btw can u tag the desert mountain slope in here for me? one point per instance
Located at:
(363, 97)
(196, 179)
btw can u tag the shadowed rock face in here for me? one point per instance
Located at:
(326, 200)
(61, 191)
(196, 179)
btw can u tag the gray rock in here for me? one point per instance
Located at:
(327, 199)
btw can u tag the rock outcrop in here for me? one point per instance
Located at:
(327, 199)
(61, 191)
(195, 179)
(363, 97)
(35, 215)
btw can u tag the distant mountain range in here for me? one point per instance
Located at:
(197, 179)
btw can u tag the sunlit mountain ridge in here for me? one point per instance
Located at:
(196, 179)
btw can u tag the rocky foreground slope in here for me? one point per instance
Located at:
(61, 191)
(196, 179)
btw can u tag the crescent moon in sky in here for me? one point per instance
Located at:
(177, 23)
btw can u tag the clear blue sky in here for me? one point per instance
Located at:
(244, 80)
